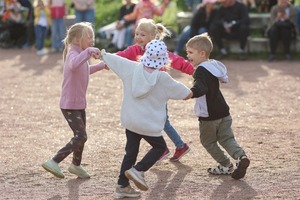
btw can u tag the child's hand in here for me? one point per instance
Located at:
(96, 55)
(94, 52)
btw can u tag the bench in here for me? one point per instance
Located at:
(257, 43)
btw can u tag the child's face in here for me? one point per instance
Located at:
(88, 40)
(195, 56)
(142, 37)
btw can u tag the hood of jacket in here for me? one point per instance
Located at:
(217, 69)
(143, 81)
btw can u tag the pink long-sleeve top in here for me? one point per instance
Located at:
(76, 77)
(135, 51)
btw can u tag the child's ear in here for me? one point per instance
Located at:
(202, 53)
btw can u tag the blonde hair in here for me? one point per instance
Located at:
(201, 42)
(157, 30)
(76, 31)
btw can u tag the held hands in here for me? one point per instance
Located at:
(95, 52)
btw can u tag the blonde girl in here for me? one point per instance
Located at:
(78, 50)
(146, 31)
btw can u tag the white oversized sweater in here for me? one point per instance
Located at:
(145, 95)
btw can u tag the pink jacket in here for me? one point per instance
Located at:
(76, 77)
(135, 51)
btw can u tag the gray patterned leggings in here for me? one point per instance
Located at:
(77, 122)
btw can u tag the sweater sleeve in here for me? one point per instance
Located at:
(76, 60)
(175, 89)
(179, 63)
(96, 67)
(118, 64)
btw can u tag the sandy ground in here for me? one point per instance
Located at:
(264, 100)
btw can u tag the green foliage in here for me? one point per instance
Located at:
(107, 11)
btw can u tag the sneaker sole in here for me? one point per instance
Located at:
(134, 178)
(177, 159)
(241, 169)
(122, 195)
(79, 176)
(55, 173)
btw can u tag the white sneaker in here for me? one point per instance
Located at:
(52, 167)
(137, 177)
(126, 192)
(221, 170)
(79, 171)
(42, 52)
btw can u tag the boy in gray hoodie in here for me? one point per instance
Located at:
(146, 91)
(212, 110)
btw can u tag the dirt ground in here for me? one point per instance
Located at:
(264, 99)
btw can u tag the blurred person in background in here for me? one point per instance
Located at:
(233, 23)
(282, 27)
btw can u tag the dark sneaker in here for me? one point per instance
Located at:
(180, 152)
(137, 177)
(164, 155)
(242, 164)
(221, 56)
(288, 57)
(243, 56)
(221, 170)
(122, 192)
(52, 167)
(271, 58)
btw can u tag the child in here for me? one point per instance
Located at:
(42, 21)
(144, 9)
(146, 31)
(123, 27)
(58, 11)
(78, 50)
(212, 109)
(146, 92)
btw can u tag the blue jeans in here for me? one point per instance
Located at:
(298, 17)
(172, 133)
(128, 36)
(57, 33)
(40, 36)
(132, 149)
(185, 36)
(85, 16)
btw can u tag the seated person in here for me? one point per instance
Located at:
(144, 9)
(199, 24)
(297, 5)
(123, 30)
(232, 22)
(251, 4)
(169, 17)
(192, 5)
(13, 11)
(282, 27)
